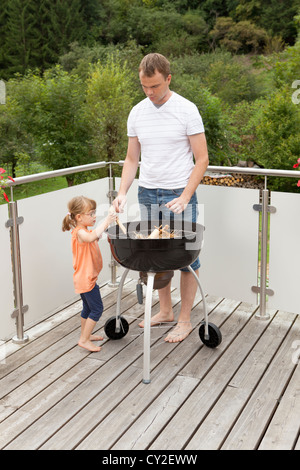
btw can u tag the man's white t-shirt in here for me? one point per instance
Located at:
(166, 154)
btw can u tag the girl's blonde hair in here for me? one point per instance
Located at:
(77, 205)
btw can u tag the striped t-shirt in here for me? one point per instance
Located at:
(166, 154)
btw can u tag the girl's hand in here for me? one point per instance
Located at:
(112, 215)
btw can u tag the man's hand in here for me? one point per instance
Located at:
(119, 203)
(177, 205)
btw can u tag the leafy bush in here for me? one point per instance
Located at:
(211, 111)
(277, 143)
(242, 36)
(49, 109)
(110, 95)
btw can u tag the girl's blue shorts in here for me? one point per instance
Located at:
(92, 304)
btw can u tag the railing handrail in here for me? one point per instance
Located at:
(54, 173)
(255, 171)
(93, 166)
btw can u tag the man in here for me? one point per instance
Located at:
(167, 131)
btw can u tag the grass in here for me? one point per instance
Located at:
(33, 189)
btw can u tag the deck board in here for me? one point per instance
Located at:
(242, 395)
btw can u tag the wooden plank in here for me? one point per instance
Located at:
(197, 366)
(158, 351)
(198, 398)
(178, 354)
(252, 423)
(131, 313)
(86, 419)
(16, 423)
(188, 418)
(214, 429)
(86, 422)
(42, 429)
(262, 353)
(68, 322)
(46, 325)
(54, 351)
(145, 428)
(46, 376)
(32, 349)
(283, 431)
(35, 384)
(123, 412)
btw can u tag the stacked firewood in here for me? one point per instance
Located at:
(235, 180)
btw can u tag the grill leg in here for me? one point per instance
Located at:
(118, 313)
(147, 326)
(206, 334)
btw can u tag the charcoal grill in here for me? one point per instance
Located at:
(152, 256)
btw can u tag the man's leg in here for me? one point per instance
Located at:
(188, 289)
(166, 311)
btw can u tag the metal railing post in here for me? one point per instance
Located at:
(20, 309)
(262, 314)
(111, 196)
(262, 289)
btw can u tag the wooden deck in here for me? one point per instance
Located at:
(242, 395)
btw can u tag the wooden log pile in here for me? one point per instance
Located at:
(235, 180)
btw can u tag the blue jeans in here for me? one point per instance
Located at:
(92, 304)
(152, 207)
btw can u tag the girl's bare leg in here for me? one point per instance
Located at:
(86, 337)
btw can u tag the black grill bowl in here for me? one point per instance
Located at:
(155, 255)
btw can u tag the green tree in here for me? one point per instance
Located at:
(277, 129)
(36, 32)
(62, 138)
(67, 24)
(210, 108)
(242, 36)
(232, 81)
(287, 66)
(3, 23)
(213, 9)
(49, 109)
(14, 140)
(21, 35)
(111, 93)
(275, 16)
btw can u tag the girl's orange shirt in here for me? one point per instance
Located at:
(87, 263)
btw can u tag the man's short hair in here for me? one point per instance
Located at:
(155, 62)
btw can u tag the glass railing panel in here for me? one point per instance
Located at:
(46, 257)
(284, 253)
(229, 258)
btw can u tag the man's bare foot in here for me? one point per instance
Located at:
(159, 318)
(179, 333)
(96, 338)
(89, 346)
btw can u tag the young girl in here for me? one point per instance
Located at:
(87, 263)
